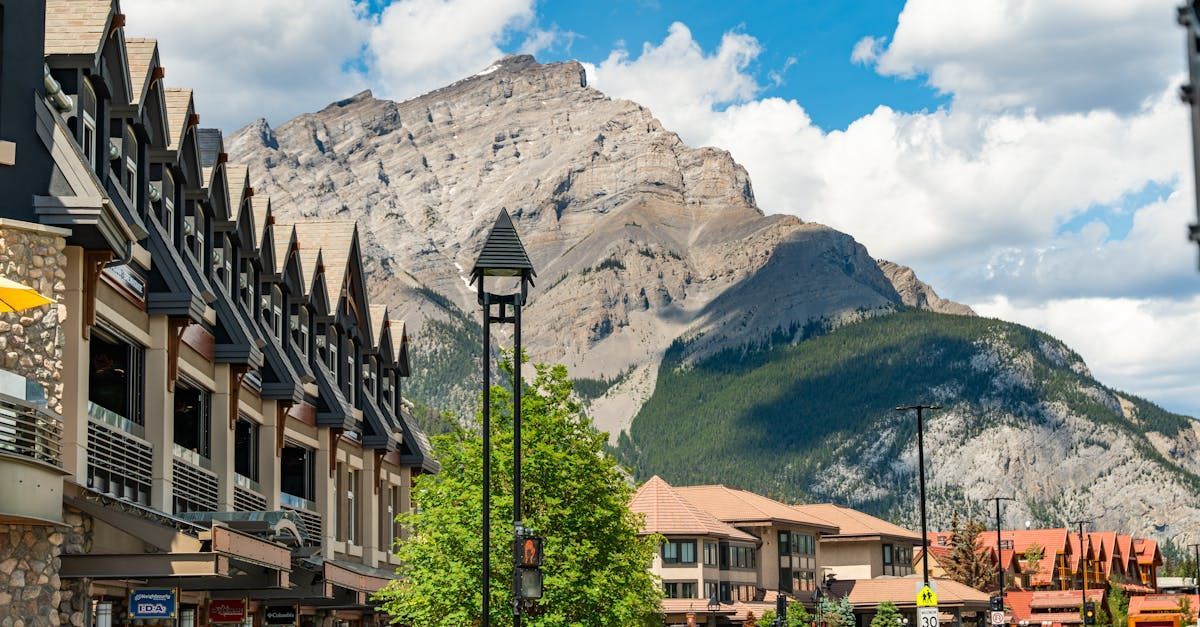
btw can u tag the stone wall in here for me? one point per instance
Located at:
(31, 342)
(29, 562)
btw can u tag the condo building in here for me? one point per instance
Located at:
(209, 421)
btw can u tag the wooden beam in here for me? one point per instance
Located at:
(144, 565)
(93, 265)
(281, 415)
(237, 373)
(175, 328)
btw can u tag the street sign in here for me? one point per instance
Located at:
(927, 617)
(926, 597)
(153, 603)
(997, 618)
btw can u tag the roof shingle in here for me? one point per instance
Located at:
(667, 512)
(739, 506)
(76, 26)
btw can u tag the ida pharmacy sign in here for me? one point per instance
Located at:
(153, 603)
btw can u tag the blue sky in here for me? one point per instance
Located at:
(1027, 157)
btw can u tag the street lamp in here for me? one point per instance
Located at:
(921, 463)
(999, 549)
(503, 255)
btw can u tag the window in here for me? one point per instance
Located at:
(277, 312)
(299, 327)
(222, 264)
(350, 374)
(193, 413)
(726, 592)
(245, 449)
(116, 380)
(352, 486)
(164, 207)
(389, 508)
(741, 557)
(679, 589)
(711, 557)
(87, 110)
(246, 284)
(331, 348)
(339, 487)
(297, 472)
(897, 560)
(710, 588)
(679, 552)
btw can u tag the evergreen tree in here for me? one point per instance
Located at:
(596, 566)
(887, 615)
(968, 564)
(1185, 608)
(1118, 602)
(797, 616)
(836, 612)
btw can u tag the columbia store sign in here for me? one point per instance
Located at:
(153, 603)
(281, 615)
(227, 610)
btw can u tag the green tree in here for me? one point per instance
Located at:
(1034, 554)
(967, 563)
(836, 612)
(1118, 602)
(797, 616)
(574, 494)
(887, 615)
(1185, 608)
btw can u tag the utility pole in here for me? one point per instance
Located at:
(921, 463)
(1083, 562)
(1196, 567)
(999, 549)
(1189, 18)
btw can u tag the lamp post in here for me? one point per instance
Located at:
(999, 549)
(921, 463)
(502, 255)
(1189, 18)
(1083, 563)
(714, 604)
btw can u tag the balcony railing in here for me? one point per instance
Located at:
(30, 431)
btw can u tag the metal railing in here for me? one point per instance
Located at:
(30, 431)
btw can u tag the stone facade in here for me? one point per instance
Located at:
(29, 584)
(31, 341)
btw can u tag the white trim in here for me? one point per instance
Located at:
(34, 227)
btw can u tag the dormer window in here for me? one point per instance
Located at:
(331, 349)
(130, 174)
(245, 285)
(162, 197)
(87, 115)
(277, 312)
(222, 264)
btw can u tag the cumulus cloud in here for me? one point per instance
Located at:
(867, 50)
(420, 45)
(1052, 55)
(253, 59)
(678, 80)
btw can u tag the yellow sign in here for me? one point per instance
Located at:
(926, 597)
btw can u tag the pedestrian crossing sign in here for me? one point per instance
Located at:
(926, 597)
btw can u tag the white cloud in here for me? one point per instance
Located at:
(420, 45)
(1147, 347)
(678, 81)
(1053, 55)
(867, 50)
(249, 59)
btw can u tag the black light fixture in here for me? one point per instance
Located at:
(503, 255)
(714, 603)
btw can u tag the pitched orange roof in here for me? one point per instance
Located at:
(667, 512)
(853, 523)
(740, 506)
(1036, 606)
(1160, 603)
(1147, 551)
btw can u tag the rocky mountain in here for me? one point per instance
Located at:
(655, 265)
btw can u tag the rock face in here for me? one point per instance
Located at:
(637, 238)
(916, 293)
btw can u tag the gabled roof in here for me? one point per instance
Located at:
(282, 235)
(739, 506)
(853, 523)
(1160, 603)
(400, 344)
(261, 207)
(668, 513)
(1147, 551)
(333, 239)
(239, 181)
(378, 314)
(179, 105)
(866, 593)
(76, 26)
(140, 52)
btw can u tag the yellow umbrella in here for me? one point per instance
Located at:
(17, 297)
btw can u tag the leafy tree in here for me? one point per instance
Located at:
(1118, 601)
(1185, 608)
(574, 494)
(1033, 556)
(967, 563)
(887, 615)
(797, 616)
(836, 612)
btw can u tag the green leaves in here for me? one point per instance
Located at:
(574, 494)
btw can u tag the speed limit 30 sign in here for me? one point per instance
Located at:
(927, 617)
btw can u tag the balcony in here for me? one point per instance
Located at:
(307, 511)
(119, 459)
(31, 473)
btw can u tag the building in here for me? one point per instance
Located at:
(865, 547)
(727, 554)
(1051, 608)
(214, 406)
(1163, 610)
